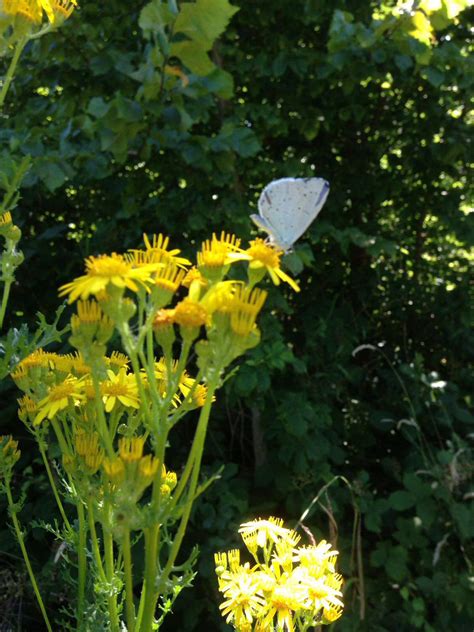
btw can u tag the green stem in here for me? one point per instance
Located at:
(195, 461)
(82, 563)
(140, 607)
(20, 45)
(149, 583)
(95, 542)
(102, 421)
(6, 294)
(53, 487)
(127, 561)
(110, 574)
(21, 542)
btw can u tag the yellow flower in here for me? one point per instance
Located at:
(159, 246)
(321, 594)
(192, 276)
(164, 319)
(243, 597)
(169, 278)
(263, 257)
(147, 469)
(118, 360)
(131, 448)
(103, 270)
(318, 559)
(39, 358)
(114, 470)
(286, 598)
(91, 321)
(60, 397)
(27, 407)
(214, 252)
(86, 443)
(32, 10)
(189, 313)
(120, 387)
(271, 530)
(245, 308)
(9, 450)
(5, 219)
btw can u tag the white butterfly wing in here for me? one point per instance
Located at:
(288, 206)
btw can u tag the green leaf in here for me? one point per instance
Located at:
(201, 22)
(433, 76)
(193, 56)
(51, 174)
(98, 107)
(155, 16)
(401, 500)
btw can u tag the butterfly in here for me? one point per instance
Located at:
(288, 206)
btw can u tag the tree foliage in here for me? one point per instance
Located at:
(171, 118)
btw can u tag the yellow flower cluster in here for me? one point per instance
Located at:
(157, 266)
(56, 383)
(287, 588)
(32, 10)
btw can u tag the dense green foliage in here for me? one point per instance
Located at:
(362, 375)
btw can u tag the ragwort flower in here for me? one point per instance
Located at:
(111, 269)
(264, 257)
(120, 388)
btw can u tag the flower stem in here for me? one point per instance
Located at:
(95, 542)
(193, 465)
(20, 45)
(53, 487)
(127, 561)
(110, 574)
(149, 583)
(82, 563)
(6, 294)
(21, 542)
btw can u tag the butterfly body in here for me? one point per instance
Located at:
(288, 206)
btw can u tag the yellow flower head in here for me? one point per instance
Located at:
(243, 596)
(118, 360)
(32, 10)
(214, 251)
(86, 443)
(131, 448)
(192, 276)
(158, 246)
(9, 453)
(189, 313)
(147, 469)
(67, 393)
(114, 470)
(27, 408)
(5, 219)
(91, 321)
(245, 308)
(263, 256)
(164, 319)
(38, 359)
(120, 388)
(169, 278)
(105, 270)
